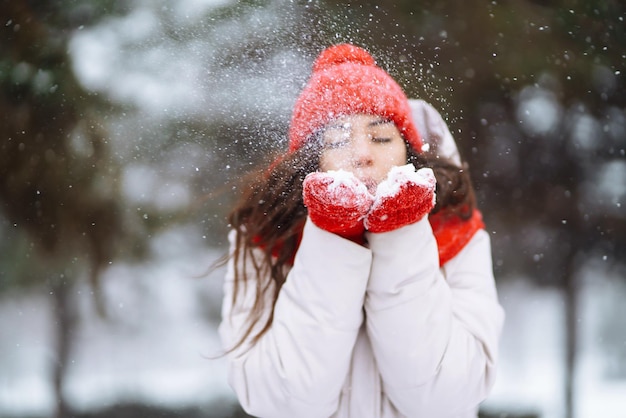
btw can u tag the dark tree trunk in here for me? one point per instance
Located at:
(65, 321)
(571, 334)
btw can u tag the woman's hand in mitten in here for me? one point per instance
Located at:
(403, 198)
(337, 202)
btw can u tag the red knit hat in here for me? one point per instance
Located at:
(346, 80)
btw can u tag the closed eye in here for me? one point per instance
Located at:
(336, 145)
(381, 140)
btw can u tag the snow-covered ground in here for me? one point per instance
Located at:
(156, 343)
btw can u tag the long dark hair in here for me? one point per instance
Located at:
(270, 216)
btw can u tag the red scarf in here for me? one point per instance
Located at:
(451, 232)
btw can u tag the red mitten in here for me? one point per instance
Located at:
(337, 202)
(403, 198)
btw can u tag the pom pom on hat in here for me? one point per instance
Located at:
(346, 80)
(339, 54)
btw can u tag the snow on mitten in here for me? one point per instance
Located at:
(337, 202)
(403, 198)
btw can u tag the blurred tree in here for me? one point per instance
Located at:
(64, 213)
(58, 189)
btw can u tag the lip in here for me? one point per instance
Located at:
(370, 183)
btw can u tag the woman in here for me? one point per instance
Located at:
(353, 289)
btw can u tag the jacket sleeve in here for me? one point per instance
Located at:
(435, 338)
(298, 367)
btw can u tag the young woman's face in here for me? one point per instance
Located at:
(368, 146)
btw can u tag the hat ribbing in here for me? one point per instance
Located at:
(345, 81)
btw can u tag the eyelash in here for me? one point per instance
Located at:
(378, 140)
(340, 144)
(336, 145)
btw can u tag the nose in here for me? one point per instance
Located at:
(362, 153)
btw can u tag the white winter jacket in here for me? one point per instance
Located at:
(370, 332)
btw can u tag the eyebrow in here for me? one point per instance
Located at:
(342, 125)
(336, 125)
(379, 121)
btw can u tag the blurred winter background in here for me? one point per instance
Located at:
(125, 126)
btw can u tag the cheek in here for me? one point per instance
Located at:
(397, 156)
(402, 156)
(333, 160)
